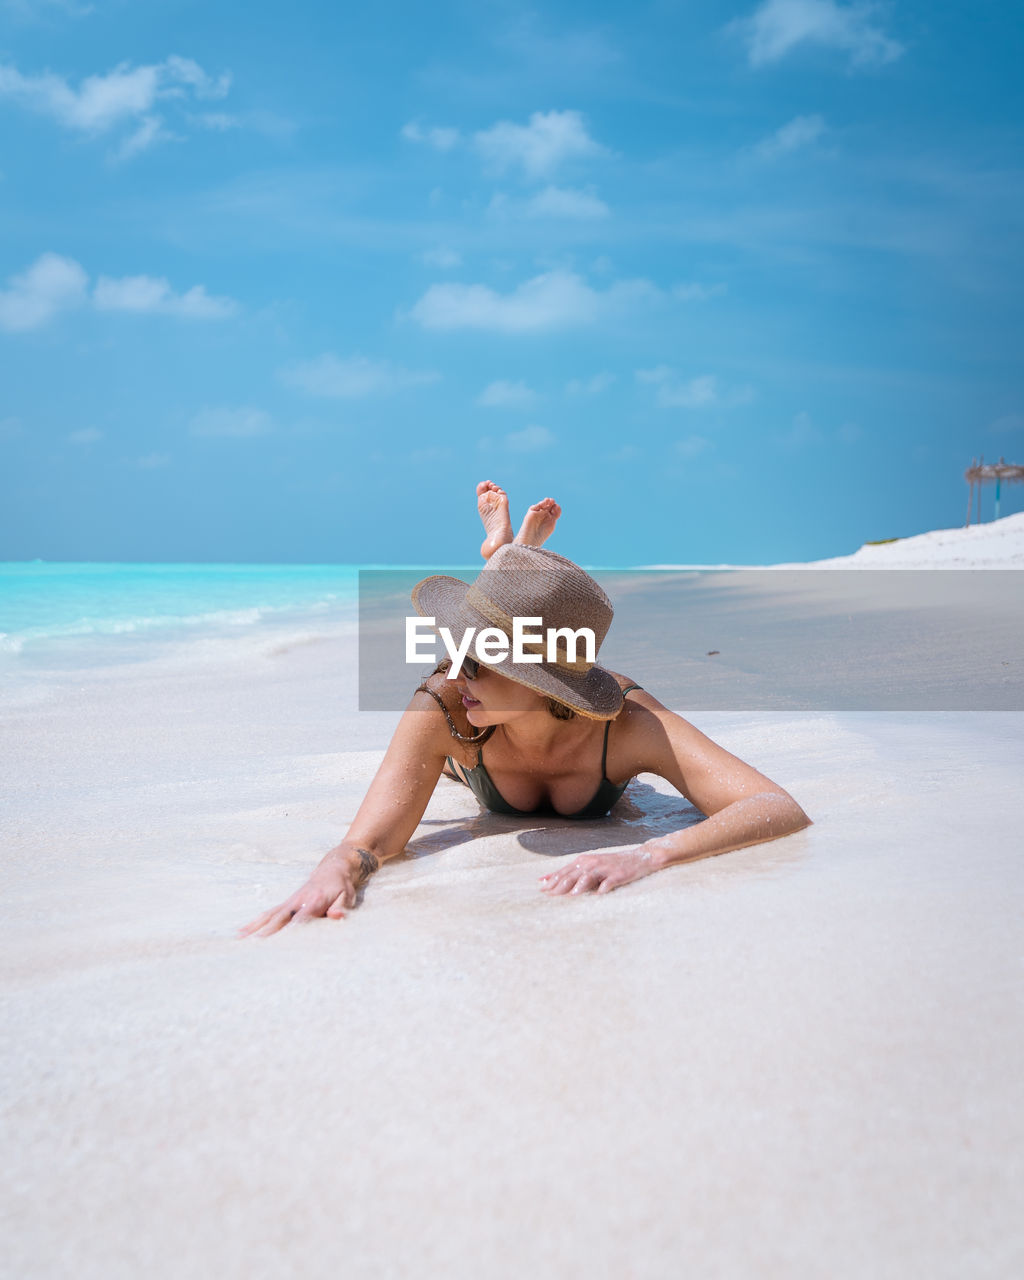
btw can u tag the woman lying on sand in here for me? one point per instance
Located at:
(554, 730)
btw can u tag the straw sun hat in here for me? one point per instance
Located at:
(530, 582)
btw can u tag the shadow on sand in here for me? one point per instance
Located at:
(641, 814)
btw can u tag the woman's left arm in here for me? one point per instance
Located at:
(743, 807)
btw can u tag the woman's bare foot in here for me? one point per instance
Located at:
(539, 523)
(492, 503)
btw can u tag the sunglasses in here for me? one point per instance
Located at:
(470, 668)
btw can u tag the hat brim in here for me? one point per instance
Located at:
(595, 693)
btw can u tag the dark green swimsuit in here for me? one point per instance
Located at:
(482, 786)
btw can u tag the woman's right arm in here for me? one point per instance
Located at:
(384, 825)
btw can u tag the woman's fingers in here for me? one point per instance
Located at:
(253, 925)
(565, 878)
(345, 899)
(611, 882)
(600, 872)
(568, 883)
(310, 903)
(259, 925)
(278, 919)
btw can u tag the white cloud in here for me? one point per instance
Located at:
(537, 148)
(563, 202)
(530, 440)
(801, 131)
(353, 378)
(269, 123)
(53, 284)
(698, 393)
(694, 292)
(554, 300)
(443, 258)
(691, 446)
(150, 131)
(589, 386)
(438, 137)
(191, 73)
(50, 285)
(778, 26)
(99, 103)
(552, 202)
(1008, 422)
(153, 295)
(153, 461)
(85, 435)
(104, 102)
(236, 423)
(702, 392)
(801, 433)
(506, 395)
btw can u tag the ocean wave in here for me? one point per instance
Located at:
(84, 627)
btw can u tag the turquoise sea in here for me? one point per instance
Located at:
(43, 602)
(69, 606)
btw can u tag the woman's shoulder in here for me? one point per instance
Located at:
(627, 682)
(642, 710)
(440, 696)
(438, 688)
(650, 737)
(639, 715)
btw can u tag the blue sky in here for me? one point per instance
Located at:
(731, 281)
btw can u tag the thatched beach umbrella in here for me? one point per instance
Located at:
(978, 473)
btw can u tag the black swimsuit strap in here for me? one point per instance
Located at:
(482, 736)
(608, 724)
(604, 753)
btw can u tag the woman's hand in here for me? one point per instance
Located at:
(600, 871)
(329, 891)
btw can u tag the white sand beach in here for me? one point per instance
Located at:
(997, 544)
(800, 1059)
